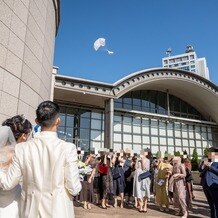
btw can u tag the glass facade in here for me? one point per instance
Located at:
(158, 135)
(85, 128)
(156, 102)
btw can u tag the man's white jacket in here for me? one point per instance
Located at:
(47, 167)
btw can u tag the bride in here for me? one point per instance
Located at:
(13, 130)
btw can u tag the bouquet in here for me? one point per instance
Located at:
(84, 170)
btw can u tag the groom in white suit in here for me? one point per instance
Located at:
(47, 167)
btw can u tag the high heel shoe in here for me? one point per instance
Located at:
(140, 210)
(185, 215)
(103, 207)
(89, 206)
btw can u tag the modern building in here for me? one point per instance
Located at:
(188, 62)
(161, 109)
(27, 36)
(164, 109)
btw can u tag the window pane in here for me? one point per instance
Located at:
(62, 117)
(163, 141)
(127, 128)
(204, 136)
(192, 143)
(145, 139)
(61, 132)
(84, 134)
(184, 134)
(84, 123)
(145, 130)
(197, 135)
(95, 135)
(136, 138)
(154, 131)
(137, 148)
(154, 149)
(170, 132)
(136, 129)
(177, 134)
(70, 120)
(125, 146)
(96, 124)
(117, 137)
(178, 142)
(96, 115)
(198, 144)
(170, 141)
(84, 144)
(127, 120)
(185, 142)
(69, 132)
(127, 138)
(85, 114)
(96, 145)
(117, 147)
(170, 150)
(117, 118)
(154, 140)
(117, 127)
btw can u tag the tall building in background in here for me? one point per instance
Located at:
(27, 37)
(187, 61)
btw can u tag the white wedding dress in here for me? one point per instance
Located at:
(9, 200)
(9, 203)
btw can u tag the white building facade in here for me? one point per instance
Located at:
(161, 109)
(188, 62)
(27, 36)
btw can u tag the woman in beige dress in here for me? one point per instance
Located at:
(179, 189)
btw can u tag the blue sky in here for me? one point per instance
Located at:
(138, 31)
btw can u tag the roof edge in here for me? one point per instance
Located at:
(150, 70)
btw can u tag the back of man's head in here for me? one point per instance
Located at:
(47, 113)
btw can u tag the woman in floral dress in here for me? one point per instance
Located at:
(179, 189)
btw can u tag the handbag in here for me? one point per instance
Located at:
(144, 175)
(116, 176)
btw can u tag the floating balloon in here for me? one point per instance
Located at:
(101, 44)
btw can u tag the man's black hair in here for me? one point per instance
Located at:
(213, 149)
(46, 113)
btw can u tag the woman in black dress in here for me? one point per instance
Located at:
(118, 182)
(105, 180)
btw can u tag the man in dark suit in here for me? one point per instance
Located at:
(209, 179)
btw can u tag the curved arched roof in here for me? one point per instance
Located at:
(197, 91)
(192, 88)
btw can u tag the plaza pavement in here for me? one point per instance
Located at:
(200, 210)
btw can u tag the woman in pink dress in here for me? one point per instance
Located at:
(179, 189)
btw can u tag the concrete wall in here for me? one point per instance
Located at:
(27, 37)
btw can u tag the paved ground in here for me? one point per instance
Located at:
(200, 209)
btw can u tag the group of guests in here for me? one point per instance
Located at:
(173, 184)
(133, 178)
(104, 177)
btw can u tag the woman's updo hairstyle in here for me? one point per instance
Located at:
(19, 125)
